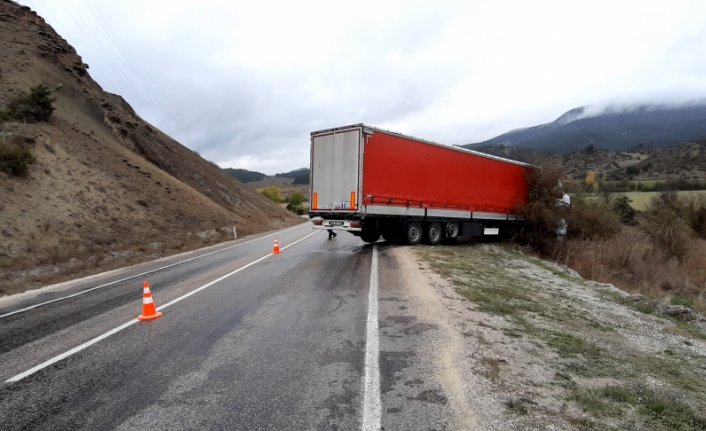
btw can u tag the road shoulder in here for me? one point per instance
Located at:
(541, 348)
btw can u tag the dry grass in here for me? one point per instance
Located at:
(72, 258)
(630, 261)
(641, 200)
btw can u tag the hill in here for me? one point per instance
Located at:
(299, 176)
(107, 188)
(244, 175)
(684, 162)
(614, 128)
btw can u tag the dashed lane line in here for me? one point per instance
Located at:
(105, 335)
(31, 307)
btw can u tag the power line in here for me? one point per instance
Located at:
(101, 50)
(140, 73)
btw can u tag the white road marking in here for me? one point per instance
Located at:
(371, 391)
(140, 274)
(133, 321)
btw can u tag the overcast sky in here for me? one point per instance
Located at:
(244, 82)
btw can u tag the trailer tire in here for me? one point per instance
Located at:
(451, 231)
(413, 233)
(370, 235)
(433, 233)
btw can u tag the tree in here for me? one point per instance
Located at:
(621, 206)
(632, 170)
(592, 181)
(541, 214)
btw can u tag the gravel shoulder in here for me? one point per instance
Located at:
(507, 341)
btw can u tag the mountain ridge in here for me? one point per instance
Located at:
(615, 127)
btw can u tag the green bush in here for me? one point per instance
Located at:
(33, 107)
(298, 209)
(665, 227)
(591, 218)
(621, 206)
(15, 160)
(296, 199)
(272, 193)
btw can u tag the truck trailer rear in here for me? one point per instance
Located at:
(373, 183)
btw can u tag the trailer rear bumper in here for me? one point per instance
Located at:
(347, 225)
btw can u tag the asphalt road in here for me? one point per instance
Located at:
(269, 342)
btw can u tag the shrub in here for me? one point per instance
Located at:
(621, 206)
(298, 209)
(296, 203)
(272, 193)
(694, 210)
(33, 107)
(591, 218)
(296, 198)
(15, 160)
(541, 214)
(665, 227)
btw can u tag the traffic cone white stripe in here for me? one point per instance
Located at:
(149, 310)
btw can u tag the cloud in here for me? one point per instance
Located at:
(244, 83)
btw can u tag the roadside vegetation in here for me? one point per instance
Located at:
(32, 107)
(295, 202)
(659, 251)
(15, 160)
(573, 353)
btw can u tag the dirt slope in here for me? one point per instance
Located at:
(107, 188)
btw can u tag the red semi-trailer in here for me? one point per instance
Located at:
(373, 183)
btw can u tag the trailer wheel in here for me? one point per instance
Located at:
(452, 230)
(413, 233)
(370, 234)
(433, 233)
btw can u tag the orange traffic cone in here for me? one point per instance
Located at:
(149, 311)
(275, 249)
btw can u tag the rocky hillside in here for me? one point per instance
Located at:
(106, 188)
